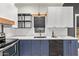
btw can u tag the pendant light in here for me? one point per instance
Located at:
(39, 10)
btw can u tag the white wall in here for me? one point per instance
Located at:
(9, 11)
(31, 8)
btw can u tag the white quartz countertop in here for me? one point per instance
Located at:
(47, 38)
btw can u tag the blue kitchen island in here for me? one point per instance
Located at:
(67, 46)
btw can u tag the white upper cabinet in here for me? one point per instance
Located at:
(43, 9)
(9, 11)
(60, 17)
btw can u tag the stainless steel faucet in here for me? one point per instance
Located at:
(40, 32)
(53, 34)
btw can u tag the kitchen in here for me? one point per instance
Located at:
(38, 29)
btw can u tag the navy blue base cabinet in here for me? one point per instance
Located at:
(34, 48)
(48, 48)
(70, 48)
(25, 48)
(63, 48)
(44, 48)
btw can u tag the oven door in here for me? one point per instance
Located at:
(10, 51)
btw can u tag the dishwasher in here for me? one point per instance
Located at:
(11, 51)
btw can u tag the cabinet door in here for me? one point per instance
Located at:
(44, 48)
(74, 48)
(70, 47)
(60, 17)
(25, 48)
(66, 17)
(56, 48)
(52, 16)
(36, 48)
(66, 47)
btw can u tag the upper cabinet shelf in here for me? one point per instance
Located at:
(60, 17)
(6, 21)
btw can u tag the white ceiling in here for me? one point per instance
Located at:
(43, 4)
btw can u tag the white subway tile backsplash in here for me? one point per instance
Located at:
(60, 31)
(8, 32)
(18, 32)
(27, 32)
(57, 31)
(30, 32)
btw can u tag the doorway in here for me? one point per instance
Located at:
(77, 28)
(77, 25)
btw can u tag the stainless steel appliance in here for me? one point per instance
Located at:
(2, 39)
(10, 51)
